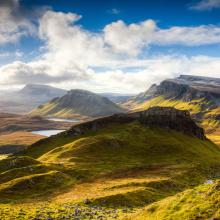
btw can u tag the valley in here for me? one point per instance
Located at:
(16, 131)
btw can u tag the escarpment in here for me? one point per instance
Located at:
(159, 117)
(163, 117)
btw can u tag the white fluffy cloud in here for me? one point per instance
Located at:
(129, 39)
(188, 36)
(109, 60)
(206, 5)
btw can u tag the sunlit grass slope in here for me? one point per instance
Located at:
(193, 106)
(199, 109)
(119, 169)
(201, 202)
(130, 143)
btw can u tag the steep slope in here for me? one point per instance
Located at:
(199, 95)
(27, 98)
(78, 103)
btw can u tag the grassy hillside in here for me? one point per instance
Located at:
(77, 104)
(106, 174)
(201, 202)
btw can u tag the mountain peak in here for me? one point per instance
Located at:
(78, 103)
(42, 90)
(80, 91)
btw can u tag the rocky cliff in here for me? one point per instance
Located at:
(169, 118)
(183, 87)
(199, 95)
(180, 88)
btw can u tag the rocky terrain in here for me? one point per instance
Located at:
(77, 104)
(184, 87)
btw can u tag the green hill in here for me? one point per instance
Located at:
(108, 168)
(78, 103)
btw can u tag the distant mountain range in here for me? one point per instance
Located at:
(33, 95)
(117, 97)
(199, 95)
(44, 92)
(27, 98)
(76, 104)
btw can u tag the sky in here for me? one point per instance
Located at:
(107, 46)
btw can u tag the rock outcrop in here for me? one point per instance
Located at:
(163, 117)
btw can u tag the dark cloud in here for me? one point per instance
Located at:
(14, 8)
(22, 73)
(18, 20)
(9, 3)
(21, 12)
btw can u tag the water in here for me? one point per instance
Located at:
(47, 133)
(62, 119)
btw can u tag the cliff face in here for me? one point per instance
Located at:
(169, 118)
(187, 91)
(185, 88)
(171, 89)
(199, 95)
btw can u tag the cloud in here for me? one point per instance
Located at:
(20, 73)
(188, 36)
(68, 43)
(132, 39)
(17, 21)
(13, 25)
(109, 60)
(129, 39)
(206, 5)
(118, 80)
(117, 38)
